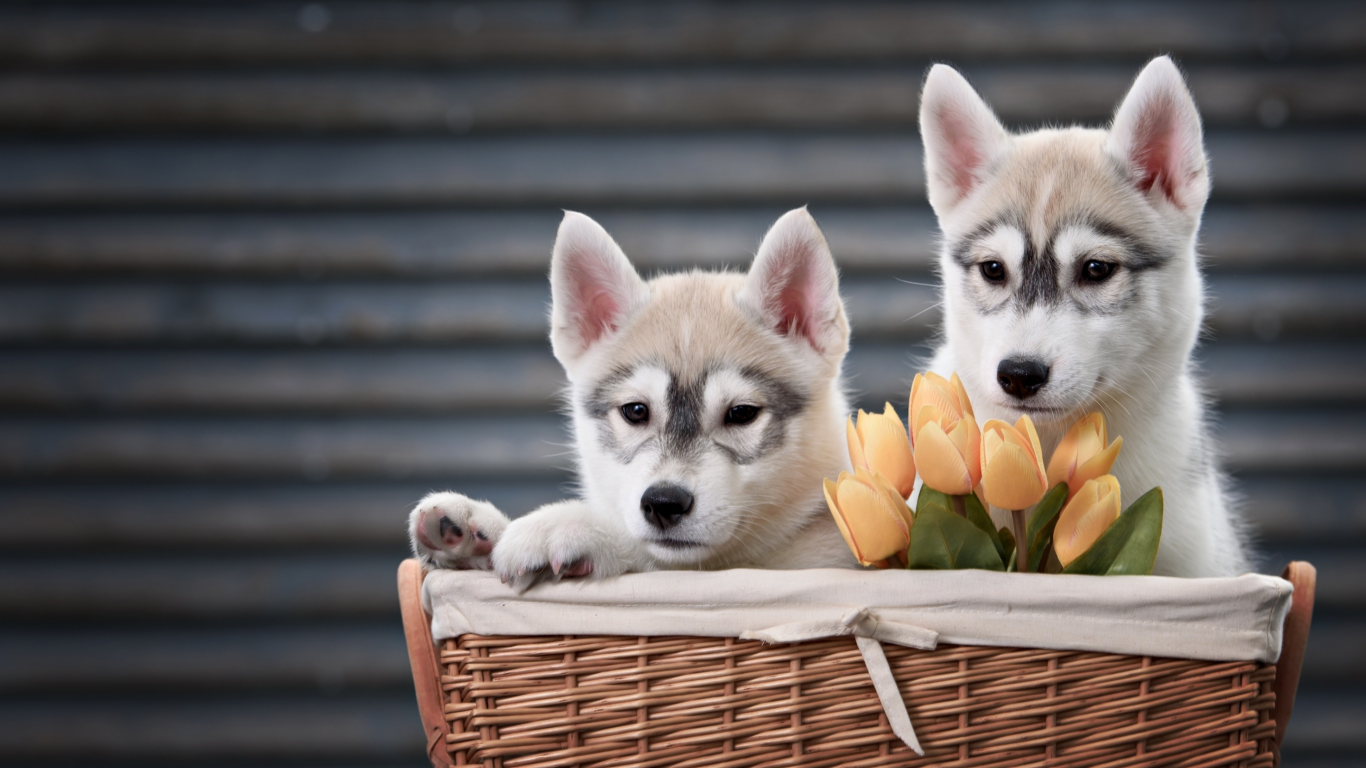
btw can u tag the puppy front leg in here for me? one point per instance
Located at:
(558, 541)
(451, 530)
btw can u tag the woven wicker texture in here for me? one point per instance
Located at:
(720, 703)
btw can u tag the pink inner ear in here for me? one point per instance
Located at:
(595, 308)
(796, 308)
(964, 156)
(1155, 152)
(1159, 151)
(598, 315)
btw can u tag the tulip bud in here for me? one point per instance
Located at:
(875, 521)
(944, 434)
(1082, 455)
(880, 445)
(1013, 475)
(946, 395)
(1093, 509)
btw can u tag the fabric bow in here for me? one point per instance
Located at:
(869, 632)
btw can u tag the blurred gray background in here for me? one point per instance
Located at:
(271, 271)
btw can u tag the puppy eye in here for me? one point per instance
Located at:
(993, 271)
(1096, 271)
(742, 414)
(635, 413)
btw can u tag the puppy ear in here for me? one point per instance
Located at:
(1156, 135)
(962, 137)
(593, 288)
(794, 288)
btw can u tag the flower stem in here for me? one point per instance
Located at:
(960, 507)
(1021, 544)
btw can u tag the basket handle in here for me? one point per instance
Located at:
(1303, 576)
(417, 628)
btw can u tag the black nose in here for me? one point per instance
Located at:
(1021, 377)
(665, 505)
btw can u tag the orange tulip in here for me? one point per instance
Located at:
(879, 444)
(1082, 455)
(1013, 475)
(944, 434)
(1093, 509)
(874, 520)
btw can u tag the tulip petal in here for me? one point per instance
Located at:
(876, 530)
(1082, 455)
(1096, 466)
(941, 465)
(1012, 479)
(991, 443)
(830, 487)
(967, 438)
(851, 436)
(886, 450)
(907, 517)
(1064, 460)
(963, 400)
(1089, 440)
(1094, 508)
(940, 394)
(927, 414)
(1016, 438)
(1026, 426)
(895, 502)
(993, 437)
(1097, 422)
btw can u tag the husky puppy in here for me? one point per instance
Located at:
(705, 407)
(1071, 284)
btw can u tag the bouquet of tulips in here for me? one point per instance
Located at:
(1065, 516)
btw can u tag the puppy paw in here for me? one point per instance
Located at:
(560, 541)
(450, 530)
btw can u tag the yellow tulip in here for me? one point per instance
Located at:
(1091, 511)
(879, 444)
(1082, 455)
(944, 434)
(874, 520)
(1013, 475)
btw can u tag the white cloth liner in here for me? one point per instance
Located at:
(1234, 619)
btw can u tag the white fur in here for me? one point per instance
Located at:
(1122, 346)
(757, 501)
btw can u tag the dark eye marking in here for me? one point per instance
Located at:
(1095, 271)
(993, 271)
(636, 413)
(742, 414)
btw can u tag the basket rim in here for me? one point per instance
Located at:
(1224, 619)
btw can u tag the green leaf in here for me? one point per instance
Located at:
(1129, 546)
(1008, 540)
(1041, 523)
(930, 497)
(944, 541)
(978, 516)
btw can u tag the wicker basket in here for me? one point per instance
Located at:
(723, 703)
